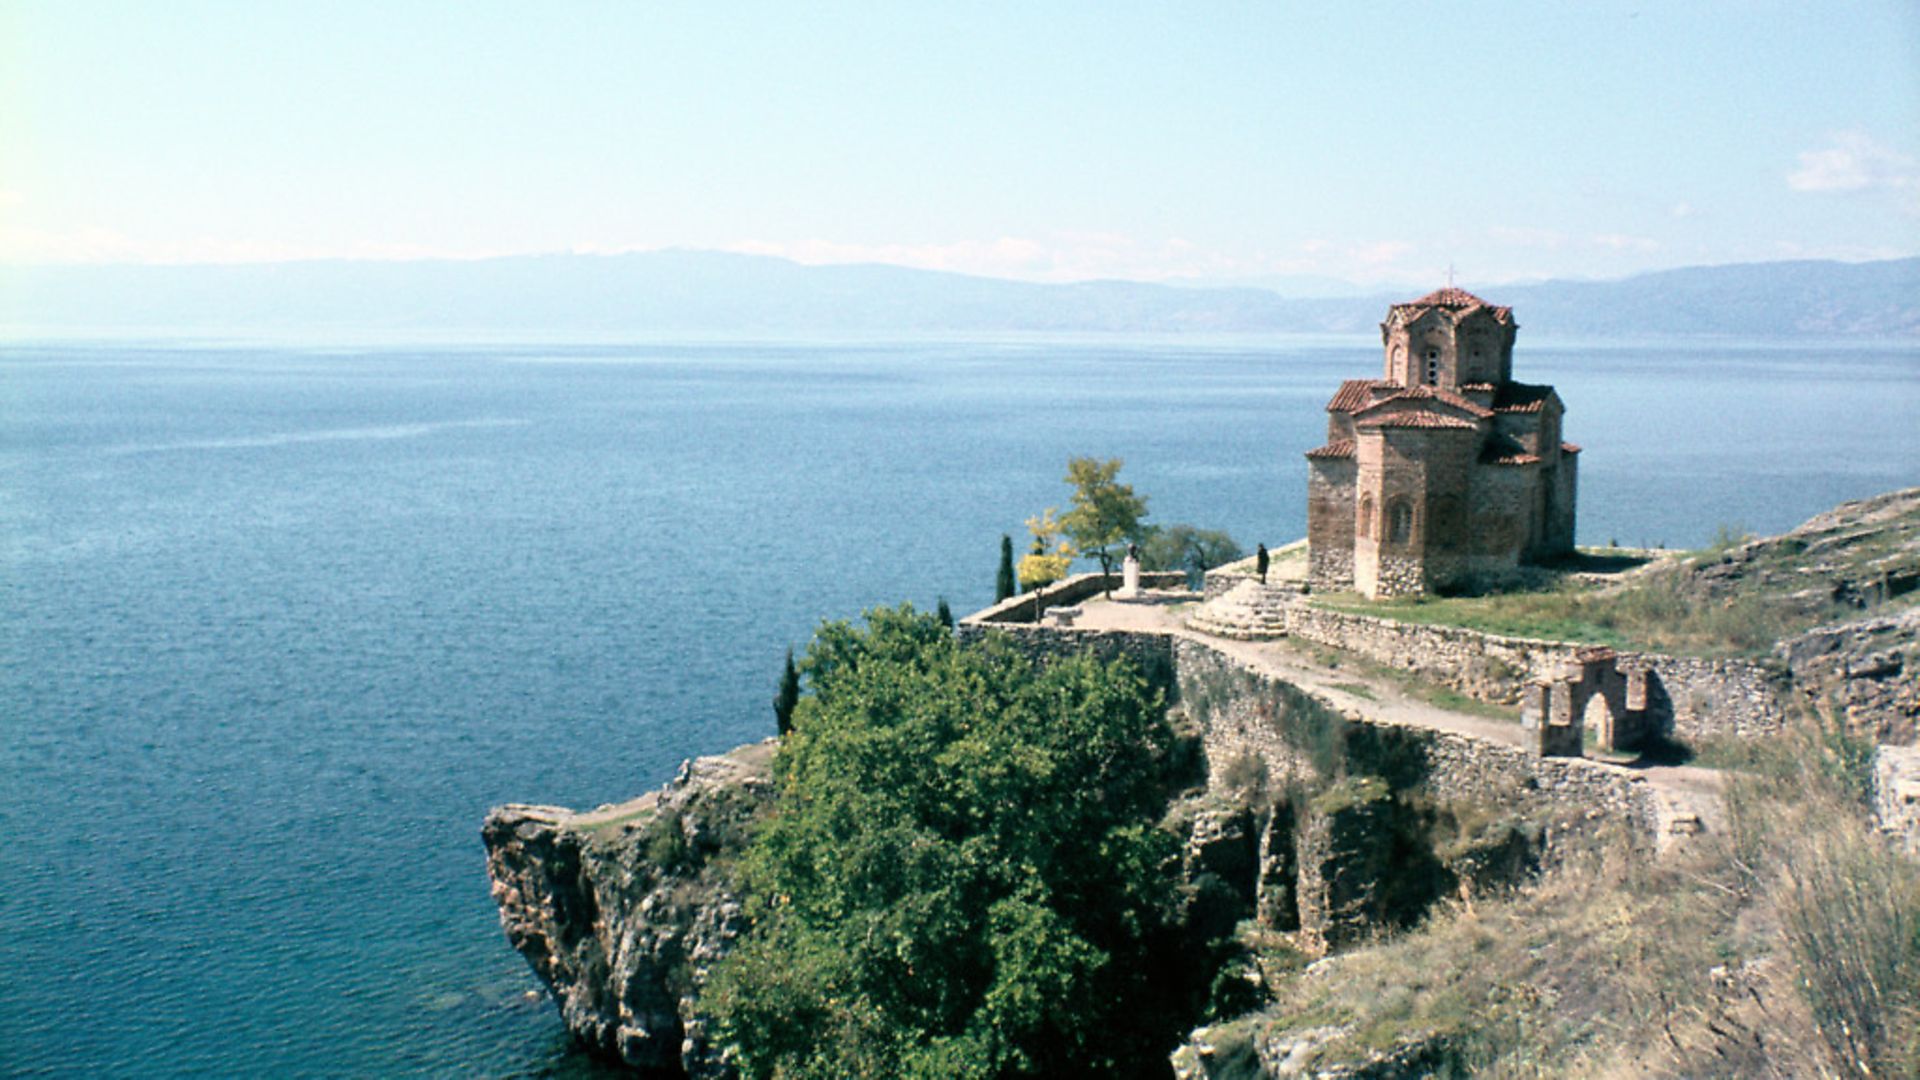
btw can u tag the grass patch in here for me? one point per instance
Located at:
(1656, 615)
(1359, 690)
(1560, 614)
(1737, 597)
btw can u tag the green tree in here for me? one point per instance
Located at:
(1003, 583)
(1172, 547)
(944, 613)
(785, 698)
(959, 880)
(1105, 513)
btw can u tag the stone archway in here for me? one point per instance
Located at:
(1592, 689)
(1597, 720)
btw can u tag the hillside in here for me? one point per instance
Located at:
(694, 292)
(1294, 876)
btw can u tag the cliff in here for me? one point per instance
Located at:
(621, 910)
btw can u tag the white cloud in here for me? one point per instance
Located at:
(1854, 161)
(1549, 239)
(1623, 242)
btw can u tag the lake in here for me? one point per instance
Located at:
(281, 623)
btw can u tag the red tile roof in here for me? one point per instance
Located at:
(1417, 418)
(1354, 394)
(1456, 300)
(1434, 393)
(1478, 387)
(1521, 458)
(1338, 448)
(1521, 397)
(1501, 450)
(1569, 448)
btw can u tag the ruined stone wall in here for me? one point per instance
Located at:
(1245, 712)
(1896, 794)
(1693, 698)
(1688, 698)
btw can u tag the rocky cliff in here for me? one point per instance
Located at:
(621, 910)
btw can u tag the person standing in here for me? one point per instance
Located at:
(1260, 562)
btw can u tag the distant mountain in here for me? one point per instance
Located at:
(696, 292)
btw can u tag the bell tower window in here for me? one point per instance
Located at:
(1433, 367)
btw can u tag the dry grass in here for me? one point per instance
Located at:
(1736, 598)
(1657, 613)
(1790, 946)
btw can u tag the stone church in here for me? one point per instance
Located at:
(1445, 471)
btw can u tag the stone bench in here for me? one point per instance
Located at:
(1063, 616)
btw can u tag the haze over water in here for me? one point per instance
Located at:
(280, 624)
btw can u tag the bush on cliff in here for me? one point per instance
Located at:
(961, 878)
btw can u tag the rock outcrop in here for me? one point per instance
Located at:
(1866, 671)
(622, 910)
(1896, 794)
(1858, 554)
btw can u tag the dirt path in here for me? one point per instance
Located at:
(1685, 791)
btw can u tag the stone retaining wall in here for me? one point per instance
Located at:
(1246, 711)
(1688, 698)
(1153, 652)
(1025, 607)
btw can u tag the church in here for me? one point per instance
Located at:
(1445, 471)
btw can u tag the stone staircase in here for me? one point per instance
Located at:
(1249, 611)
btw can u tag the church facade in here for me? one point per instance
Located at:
(1445, 470)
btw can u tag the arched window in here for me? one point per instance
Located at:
(1366, 516)
(1399, 522)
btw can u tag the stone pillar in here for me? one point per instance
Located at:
(1130, 578)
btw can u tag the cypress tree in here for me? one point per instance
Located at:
(1003, 585)
(944, 614)
(786, 697)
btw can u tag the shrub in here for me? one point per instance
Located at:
(959, 878)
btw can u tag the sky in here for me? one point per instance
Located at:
(1206, 142)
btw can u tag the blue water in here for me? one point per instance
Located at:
(278, 625)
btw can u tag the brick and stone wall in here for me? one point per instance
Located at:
(1330, 515)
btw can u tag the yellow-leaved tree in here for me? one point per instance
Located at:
(1041, 566)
